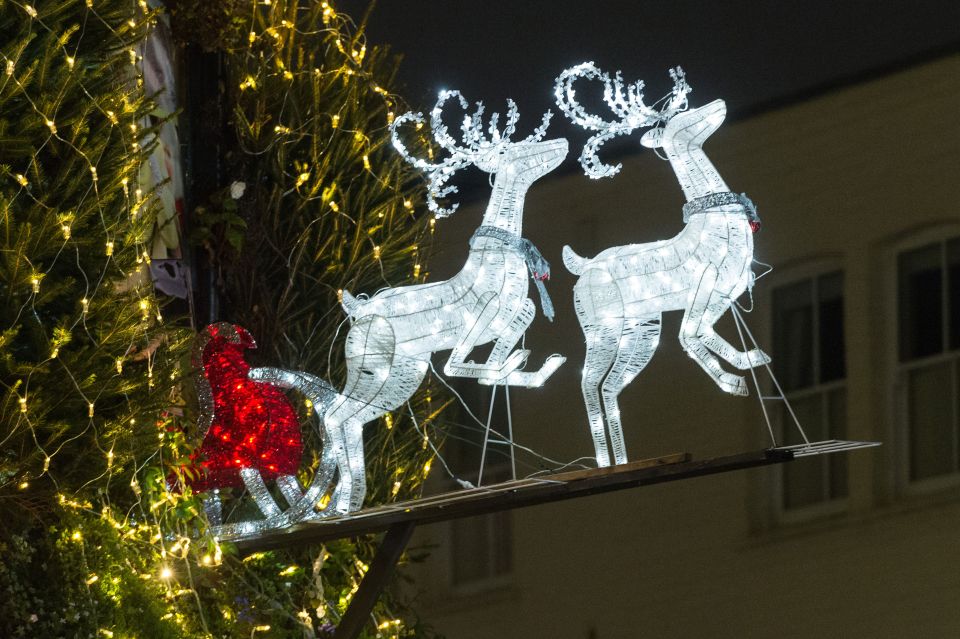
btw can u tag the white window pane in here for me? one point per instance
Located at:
(502, 543)
(793, 335)
(953, 291)
(832, 346)
(930, 405)
(956, 407)
(470, 550)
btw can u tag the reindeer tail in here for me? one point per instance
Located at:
(350, 304)
(574, 263)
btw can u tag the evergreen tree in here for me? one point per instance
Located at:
(85, 361)
(329, 205)
(94, 543)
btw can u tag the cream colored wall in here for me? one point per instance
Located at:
(840, 178)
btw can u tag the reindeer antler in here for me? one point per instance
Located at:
(440, 172)
(475, 143)
(626, 103)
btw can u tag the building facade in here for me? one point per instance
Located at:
(856, 189)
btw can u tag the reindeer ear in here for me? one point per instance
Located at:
(651, 139)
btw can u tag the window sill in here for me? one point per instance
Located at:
(905, 505)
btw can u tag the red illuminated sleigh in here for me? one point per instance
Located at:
(251, 433)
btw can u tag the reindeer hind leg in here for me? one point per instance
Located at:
(378, 380)
(601, 351)
(638, 341)
(404, 377)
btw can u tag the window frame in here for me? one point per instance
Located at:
(807, 270)
(898, 370)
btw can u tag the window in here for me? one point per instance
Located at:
(928, 298)
(810, 364)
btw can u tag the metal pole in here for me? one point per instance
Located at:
(486, 435)
(358, 613)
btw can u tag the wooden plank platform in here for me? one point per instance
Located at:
(509, 495)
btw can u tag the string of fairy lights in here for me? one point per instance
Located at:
(126, 229)
(269, 41)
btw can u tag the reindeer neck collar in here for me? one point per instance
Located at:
(723, 198)
(537, 265)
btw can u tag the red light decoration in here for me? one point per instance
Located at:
(245, 424)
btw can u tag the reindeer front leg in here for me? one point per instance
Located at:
(508, 339)
(498, 365)
(743, 360)
(703, 305)
(720, 302)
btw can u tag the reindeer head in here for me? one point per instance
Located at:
(626, 103)
(492, 151)
(693, 125)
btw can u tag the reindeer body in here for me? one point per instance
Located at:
(623, 291)
(661, 276)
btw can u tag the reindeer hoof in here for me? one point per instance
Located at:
(512, 363)
(754, 358)
(733, 384)
(531, 379)
(500, 374)
(550, 367)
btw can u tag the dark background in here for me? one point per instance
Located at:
(749, 52)
(754, 54)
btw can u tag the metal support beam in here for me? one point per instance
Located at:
(358, 613)
(509, 495)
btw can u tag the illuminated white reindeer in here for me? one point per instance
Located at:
(394, 333)
(623, 291)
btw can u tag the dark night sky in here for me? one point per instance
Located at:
(749, 52)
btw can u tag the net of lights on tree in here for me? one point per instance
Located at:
(622, 292)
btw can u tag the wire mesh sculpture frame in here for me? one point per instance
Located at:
(623, 291)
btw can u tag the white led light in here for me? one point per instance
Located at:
(623, 291)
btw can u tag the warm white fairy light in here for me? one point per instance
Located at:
(623, 291)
